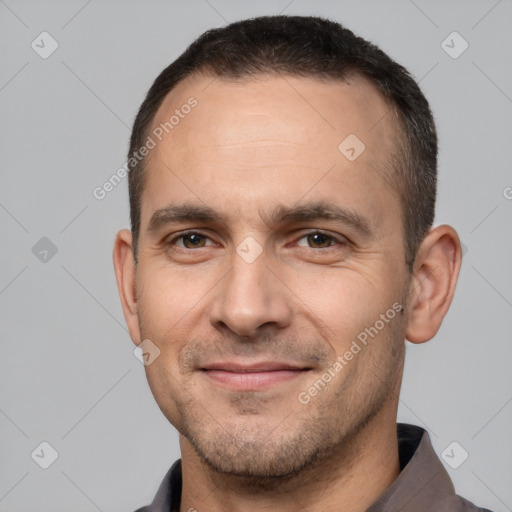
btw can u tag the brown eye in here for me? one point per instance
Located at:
(193, 240)
(190, 241)
(319, 240)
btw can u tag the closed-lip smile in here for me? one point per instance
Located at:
(253, 376)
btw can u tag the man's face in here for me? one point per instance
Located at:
(250, 307)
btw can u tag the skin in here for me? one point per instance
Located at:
(246, 148)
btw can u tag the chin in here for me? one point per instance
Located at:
(253, 462)
(259, 452)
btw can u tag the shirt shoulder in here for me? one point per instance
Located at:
(458, 504)
(423, 484)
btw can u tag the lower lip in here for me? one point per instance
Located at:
(252, 381)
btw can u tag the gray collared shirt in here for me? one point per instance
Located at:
(423, 484)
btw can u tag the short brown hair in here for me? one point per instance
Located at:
(310, 47)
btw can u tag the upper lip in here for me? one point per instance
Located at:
(263, 366)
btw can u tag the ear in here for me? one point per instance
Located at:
(432, 286)
(125, 269)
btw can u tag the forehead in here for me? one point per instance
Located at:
(330, 106)
(272, 136)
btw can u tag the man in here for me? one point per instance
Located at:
(282, 193)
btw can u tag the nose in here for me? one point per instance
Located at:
(251, 299)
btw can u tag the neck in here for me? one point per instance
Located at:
(352, 477)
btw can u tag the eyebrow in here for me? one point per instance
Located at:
(303, 212)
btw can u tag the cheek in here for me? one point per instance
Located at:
(344, 303)
(168, 301)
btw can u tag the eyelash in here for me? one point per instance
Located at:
(341, 241)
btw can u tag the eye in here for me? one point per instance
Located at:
(190, 240)
(314, 240)
(318, 240)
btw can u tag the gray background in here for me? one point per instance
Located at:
(69, 376)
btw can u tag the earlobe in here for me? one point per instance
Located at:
(124, 266)
(433, 284)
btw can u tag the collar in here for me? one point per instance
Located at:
(423, 482)
(422, 485)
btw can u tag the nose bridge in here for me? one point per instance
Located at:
(250, 295)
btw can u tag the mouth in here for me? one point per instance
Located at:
(252, 377)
